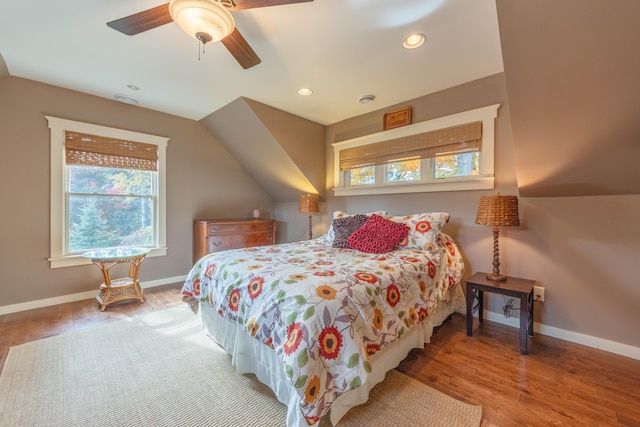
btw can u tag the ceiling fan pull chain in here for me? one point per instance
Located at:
(203, 48)
(203, 38)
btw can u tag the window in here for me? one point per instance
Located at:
(107, 190)
(445, 154)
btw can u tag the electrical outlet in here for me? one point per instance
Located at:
(538, 293)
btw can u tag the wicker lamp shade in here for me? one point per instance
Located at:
(309, 205)
(497, 211)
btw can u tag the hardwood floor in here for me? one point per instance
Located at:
(557, 384)
(26, 326)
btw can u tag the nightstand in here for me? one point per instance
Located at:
(513, 287)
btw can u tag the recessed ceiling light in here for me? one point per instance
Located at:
(305, 91)
(133, 87)
(126, 99)
(414, 41)
(367, 99)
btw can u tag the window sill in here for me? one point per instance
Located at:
(485, 183)
(75, 260)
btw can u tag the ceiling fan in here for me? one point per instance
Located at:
(205, 20)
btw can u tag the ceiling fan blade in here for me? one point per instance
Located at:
(240, 49)
(142, 21)
(252, 4)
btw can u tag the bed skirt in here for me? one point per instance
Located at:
(251, 356)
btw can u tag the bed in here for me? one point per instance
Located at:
(321, 323)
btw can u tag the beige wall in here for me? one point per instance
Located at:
(203, 180)
(582, 250)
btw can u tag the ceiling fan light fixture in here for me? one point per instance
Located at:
(204, 20)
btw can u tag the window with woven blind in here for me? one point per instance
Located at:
(450, 153)
(107, 190)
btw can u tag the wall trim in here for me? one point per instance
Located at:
(563, 334)
(30, 305)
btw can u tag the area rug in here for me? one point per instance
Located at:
(147, 371)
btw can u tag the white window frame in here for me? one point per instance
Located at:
(58, 215)
(485, 180)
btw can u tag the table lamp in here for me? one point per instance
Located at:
(309, 205)
(497, 211)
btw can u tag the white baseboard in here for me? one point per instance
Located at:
(575, 337)
(30, 305)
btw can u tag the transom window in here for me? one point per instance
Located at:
(446, 154)
(108, 190)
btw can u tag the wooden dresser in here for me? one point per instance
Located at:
(215, 235)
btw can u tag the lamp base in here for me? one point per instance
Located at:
(496, 277)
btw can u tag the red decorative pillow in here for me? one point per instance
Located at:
(378, 235)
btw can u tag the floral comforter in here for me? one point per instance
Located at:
(324, 310)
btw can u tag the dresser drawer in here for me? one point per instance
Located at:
(236, 241)
(248, 227)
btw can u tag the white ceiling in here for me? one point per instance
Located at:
(342, 49)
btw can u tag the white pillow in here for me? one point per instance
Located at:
(424, 229)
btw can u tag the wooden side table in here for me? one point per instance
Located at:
(513, 287)
(113, 290)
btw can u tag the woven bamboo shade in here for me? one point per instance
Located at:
(94, 150)
(465, 138)
(498, 211)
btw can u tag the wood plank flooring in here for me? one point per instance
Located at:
(557, 384)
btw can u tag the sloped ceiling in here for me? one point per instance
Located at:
(282, 152)
(572, 69)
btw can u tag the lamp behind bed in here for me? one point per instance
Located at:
(309, 205)
(497, 211)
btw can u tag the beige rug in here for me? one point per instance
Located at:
(150, 371)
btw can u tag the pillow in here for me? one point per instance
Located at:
(345, 227)
(340, 214)
(424, 229)
(378, 235)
